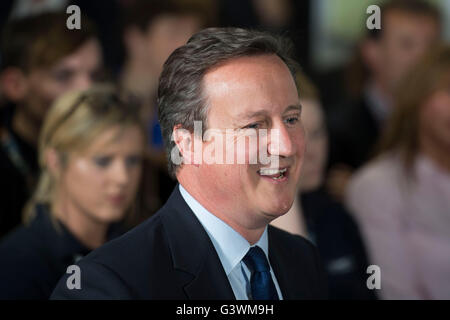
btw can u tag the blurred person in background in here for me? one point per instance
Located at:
(41, 59)
(402, 198)
(151, 31)
(316, 216)
(90, 151)
(288, 17)
(408, 29)
(264, 14)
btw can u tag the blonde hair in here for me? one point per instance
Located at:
(71, 124)
(430, 75)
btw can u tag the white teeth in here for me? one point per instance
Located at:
(270, 172)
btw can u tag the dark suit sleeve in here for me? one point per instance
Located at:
(98, 282)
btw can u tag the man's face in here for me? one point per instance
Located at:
(404, 40)
(75, 71)
(254, 93)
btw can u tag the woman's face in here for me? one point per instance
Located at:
(101, 182)
(435, 121)
(316, 145)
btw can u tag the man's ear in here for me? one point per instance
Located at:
(53, 162)
(14, 84)
(184, 140)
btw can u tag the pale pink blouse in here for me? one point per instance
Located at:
(405, 221)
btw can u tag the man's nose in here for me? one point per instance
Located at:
(280, 142)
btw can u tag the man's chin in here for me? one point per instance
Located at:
(279, 210)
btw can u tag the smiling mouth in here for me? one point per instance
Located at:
(275, 174)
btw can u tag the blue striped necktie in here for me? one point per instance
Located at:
(261, 283)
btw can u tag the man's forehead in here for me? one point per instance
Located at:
(242, 65)
(253, 85)
(242, 72)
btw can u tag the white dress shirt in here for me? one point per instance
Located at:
(231, 248)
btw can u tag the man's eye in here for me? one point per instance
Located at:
(252, 126)
(102, 162)
(256, 125)
(292, 120)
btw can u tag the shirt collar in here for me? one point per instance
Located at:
(229, 244)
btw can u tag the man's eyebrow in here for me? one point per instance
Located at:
(254, 114)
(251, 114)
(295, 107)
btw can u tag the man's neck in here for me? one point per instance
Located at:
(25, 127)
(250, 231)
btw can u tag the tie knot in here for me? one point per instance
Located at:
(256, 260)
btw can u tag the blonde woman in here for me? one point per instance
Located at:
(90, 153)
(402, 198)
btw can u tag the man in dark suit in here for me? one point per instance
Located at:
(211, 240)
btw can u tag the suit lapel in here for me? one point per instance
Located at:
(193, 252)
(288, 271)
(210, 282)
